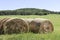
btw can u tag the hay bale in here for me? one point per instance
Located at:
(39, 25)
(15, 26)
(1, 24)
(28, 21)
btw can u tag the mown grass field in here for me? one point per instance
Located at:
(55, 19)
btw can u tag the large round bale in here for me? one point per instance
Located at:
(28, 21)
(39, 25)
(2, 21)
(15, 26)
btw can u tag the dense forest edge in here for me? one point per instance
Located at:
(27, 11)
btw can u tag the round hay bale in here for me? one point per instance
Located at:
(15, 26)
(28, 21)
(1, 24)
(40, 25)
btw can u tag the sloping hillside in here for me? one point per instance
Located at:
(27, 11)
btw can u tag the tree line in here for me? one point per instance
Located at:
(27, 11)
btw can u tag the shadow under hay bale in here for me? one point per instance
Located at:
(39, 25)
(2, 21)
(15, 26)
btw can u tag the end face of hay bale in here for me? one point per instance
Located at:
(41, 26)
(47, 26)
(2, 21)
(15, 26)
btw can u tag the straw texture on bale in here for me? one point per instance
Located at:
(2, 21)
(15, 26)
(28, 21)
(39, 25)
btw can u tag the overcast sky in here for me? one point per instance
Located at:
(53, 5)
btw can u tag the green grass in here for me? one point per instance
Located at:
(31, 36)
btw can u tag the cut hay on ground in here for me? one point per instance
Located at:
(15, 26)
(39, 25)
